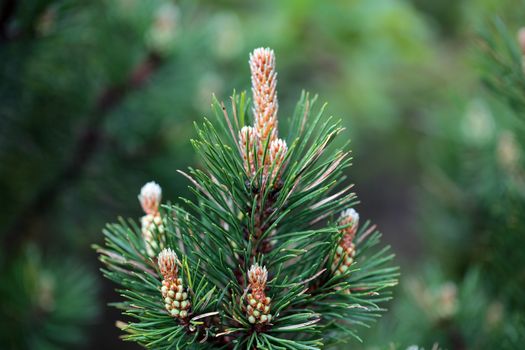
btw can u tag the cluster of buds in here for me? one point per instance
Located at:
(173, 292)
(263, 135)
(345, 252)
(152, 225)
(258, 309)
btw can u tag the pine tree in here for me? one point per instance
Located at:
(269, 253)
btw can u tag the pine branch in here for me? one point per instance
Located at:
(503, 64)
(267, 254)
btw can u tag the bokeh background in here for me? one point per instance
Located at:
(98, 97)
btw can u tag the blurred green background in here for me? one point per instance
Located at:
(98, 97)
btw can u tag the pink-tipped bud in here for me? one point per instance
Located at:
(264, 90)
(350, 219)
(149, 197)
(277, 150)
(257, 277)
(168, 261)
(248, 141)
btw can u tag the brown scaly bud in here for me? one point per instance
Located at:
(264, 90)
(277, 150)
(173, 292)
(152, 225)
(345, 252)
(248, 143)
(258, 309)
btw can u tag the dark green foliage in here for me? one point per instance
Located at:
(473, 210)
(501, 64)
(395, 69)
(51, 301)
(504, 72)
(216, 237)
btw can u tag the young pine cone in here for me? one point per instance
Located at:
(258, 309)
(173, 292)
(345, 252)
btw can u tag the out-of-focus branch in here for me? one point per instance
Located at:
(86, 146)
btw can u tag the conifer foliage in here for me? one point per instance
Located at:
(269, 253)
